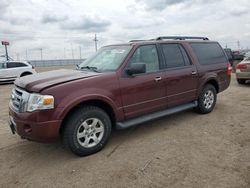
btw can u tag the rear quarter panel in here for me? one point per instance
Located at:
(206, 73)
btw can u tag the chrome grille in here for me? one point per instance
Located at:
(19, 99)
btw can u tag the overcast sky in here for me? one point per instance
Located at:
(57, 26)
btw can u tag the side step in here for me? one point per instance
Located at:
(154, 115)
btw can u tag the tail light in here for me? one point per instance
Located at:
(229, 69)
(241, 66)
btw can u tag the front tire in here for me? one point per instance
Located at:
(87, 130)
(207, 99)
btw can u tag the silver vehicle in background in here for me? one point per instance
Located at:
(10, 70)
(243, 70)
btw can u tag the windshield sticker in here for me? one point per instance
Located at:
(119, 51)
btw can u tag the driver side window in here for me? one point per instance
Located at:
(146, 54)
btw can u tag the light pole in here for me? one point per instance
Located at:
(6, 43)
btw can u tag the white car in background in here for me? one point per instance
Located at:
(10, 70)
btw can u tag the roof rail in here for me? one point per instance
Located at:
(180, 38)
(140, 40)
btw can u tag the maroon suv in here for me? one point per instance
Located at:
(120, 86)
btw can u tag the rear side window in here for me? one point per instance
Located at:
(14, 64)
(209, 53)
(175, 55)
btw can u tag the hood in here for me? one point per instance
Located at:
(41, 81)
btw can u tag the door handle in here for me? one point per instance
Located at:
(157, 79)
(194, 73)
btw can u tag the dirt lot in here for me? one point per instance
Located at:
(182, 150)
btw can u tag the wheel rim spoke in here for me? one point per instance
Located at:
(85, 125)
(94, 123)
(99, 129)
(80, 134)
(86, 141)
(96, 140)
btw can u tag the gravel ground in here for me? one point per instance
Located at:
(182, 150)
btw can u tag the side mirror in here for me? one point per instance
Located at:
(136, 68)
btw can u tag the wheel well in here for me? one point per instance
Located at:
(214, 83)
(25, 74)
(98, 103)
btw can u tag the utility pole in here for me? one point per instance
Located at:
(41, 50)
(72, 51)
(95, 40)
(17, 57)
(80, 50)
(26, 53)
(238, 44)
(64, 54)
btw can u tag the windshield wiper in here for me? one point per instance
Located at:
(95, 69)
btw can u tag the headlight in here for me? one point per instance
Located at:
(40, 102)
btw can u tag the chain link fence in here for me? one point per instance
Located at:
(58, 62)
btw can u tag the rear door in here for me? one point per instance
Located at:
(181, 75)
(14, 69)
(144, 93)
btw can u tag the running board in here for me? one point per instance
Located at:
(154, 115)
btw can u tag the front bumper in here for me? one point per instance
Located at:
(28, 126)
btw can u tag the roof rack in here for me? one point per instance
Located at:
(136, 40)
(140, 40)
(180, 38)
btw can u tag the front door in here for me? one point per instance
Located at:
(144, 93)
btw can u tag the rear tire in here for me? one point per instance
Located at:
(87, 130)
(207, 99)
(241, 81)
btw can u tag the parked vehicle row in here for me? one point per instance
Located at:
(120, 86)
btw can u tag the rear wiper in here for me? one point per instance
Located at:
(95, 69)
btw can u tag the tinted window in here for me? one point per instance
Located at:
(147, 54)
(209, 53)
(15, 64)
(175, 55)
(185, 56)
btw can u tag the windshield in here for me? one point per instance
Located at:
(106, 59)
